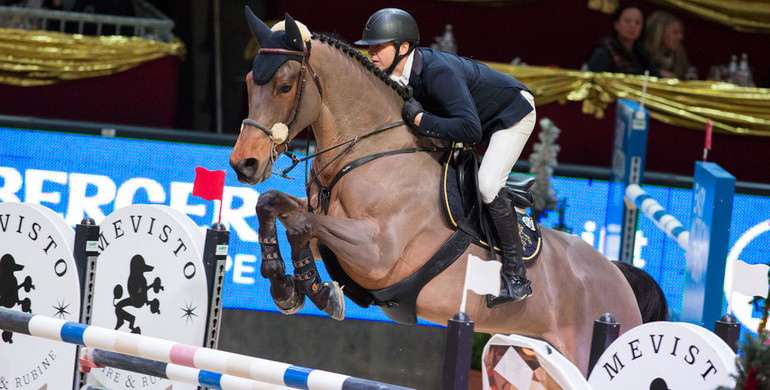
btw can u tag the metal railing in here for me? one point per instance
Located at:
(148, 23)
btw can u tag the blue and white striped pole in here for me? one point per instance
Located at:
(170, 371)
(653, 210)
(213, 360)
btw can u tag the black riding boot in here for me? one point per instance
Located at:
(513, 273)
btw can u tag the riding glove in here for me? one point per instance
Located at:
(411, 108)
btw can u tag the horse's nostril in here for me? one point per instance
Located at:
(246, 168)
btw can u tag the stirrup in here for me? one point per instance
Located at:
(510, 284)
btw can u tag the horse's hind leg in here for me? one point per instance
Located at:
(285, 292)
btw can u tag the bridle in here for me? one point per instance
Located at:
(280, 139)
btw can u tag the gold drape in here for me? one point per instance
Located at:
(741, 15)
(732, 109)
(606, 6)
(30, 58)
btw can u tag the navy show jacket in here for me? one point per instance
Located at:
(464, 100)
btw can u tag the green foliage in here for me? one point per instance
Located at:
(753, 365)
(479, 341)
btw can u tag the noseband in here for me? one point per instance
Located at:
(293, 114)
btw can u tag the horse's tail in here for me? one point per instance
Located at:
(649, 296)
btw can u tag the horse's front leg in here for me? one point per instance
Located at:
(289, 298)
(357, 240)
(285, 292)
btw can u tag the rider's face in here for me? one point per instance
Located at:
(382, 55)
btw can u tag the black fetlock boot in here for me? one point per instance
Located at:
(327, 297)
(513, 273)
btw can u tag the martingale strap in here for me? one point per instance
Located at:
(324, 192)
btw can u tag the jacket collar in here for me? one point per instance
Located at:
(417, 63)
(415, 79)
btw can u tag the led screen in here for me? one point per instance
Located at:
(82, 175)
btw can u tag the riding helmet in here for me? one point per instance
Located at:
(390, 25)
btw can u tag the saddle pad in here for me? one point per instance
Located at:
(458, 218)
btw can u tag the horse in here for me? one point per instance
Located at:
(373, 201)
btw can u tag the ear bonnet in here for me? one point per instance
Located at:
(265, 64)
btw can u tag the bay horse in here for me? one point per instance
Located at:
(382, 217)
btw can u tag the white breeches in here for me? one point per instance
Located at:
(504, 149)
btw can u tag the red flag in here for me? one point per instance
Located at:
(208, 185)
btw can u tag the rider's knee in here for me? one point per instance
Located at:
(489, 187)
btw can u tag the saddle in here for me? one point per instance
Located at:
(461, 209)
(459, 196)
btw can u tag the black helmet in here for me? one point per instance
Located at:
(390, 25)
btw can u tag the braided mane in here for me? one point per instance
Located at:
(352, 52)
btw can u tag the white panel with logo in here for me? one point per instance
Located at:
(37, 275)
(519, 362)
(665, 355)
(150, 280)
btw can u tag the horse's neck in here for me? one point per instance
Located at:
(355, 104)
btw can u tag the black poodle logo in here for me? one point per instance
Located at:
(659, 384)
(9, 289)
(137, 294)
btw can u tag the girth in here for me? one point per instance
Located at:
(399, 301)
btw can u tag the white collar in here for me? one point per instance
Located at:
(404, 78)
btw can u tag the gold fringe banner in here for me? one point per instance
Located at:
(741, 15)
(606, 6)
(32, 58)
(732, 109)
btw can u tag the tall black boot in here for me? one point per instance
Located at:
(513, 273)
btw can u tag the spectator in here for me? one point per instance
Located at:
(663, 35)
(622, 51)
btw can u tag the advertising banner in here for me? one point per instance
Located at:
(82, 175)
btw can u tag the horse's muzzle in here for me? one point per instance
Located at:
(247, 170)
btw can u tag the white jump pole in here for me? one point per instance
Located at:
(653, 210)
(91, 358)
(213, 360)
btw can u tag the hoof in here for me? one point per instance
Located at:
(292, 304)
(335, 308)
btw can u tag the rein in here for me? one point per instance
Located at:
(324, 192)
(351, 142)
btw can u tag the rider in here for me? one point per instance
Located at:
(464, 101)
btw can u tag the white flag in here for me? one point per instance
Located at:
(750, 279)
(483, 277)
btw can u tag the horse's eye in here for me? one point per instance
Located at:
(284, 88)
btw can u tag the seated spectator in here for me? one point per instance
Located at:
(622, 51)
(663, 35)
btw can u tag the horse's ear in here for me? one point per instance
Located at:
(293, 35)
(258, 28)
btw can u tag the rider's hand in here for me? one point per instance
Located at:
(411, 109)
